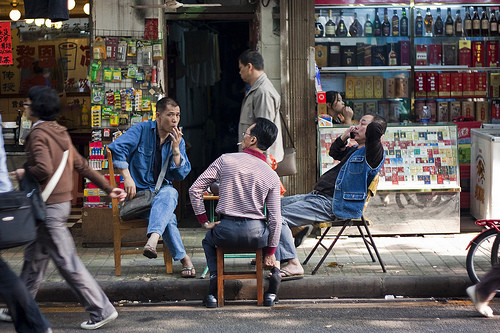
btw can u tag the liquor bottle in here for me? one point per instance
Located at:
(448, 27)
(355, 29)
(476, 23)
(377, 27)
(386, 26)
(468, 23)
(419, 24)
(403, 24)
(493, 24)
(368, 26)
(458, 25)
(318, 28)
(393, 57)
(438, 24)
(341, 28)
(330, 26)
(395, 23)
(485, 23)
(428, 23)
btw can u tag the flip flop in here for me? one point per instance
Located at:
(188, 269)
(289, 276)
(149, 252)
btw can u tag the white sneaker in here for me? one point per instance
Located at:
(5, 315)
(92, 325)
(481, 307)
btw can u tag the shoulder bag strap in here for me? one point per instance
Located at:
(55, 177)
(286, 127)
(162, 175)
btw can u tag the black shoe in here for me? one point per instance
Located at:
(270, 299)
(210, 301)
(299, 238)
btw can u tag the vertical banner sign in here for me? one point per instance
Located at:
(5, 44)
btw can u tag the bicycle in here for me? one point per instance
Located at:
(483, 250)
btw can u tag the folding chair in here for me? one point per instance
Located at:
(121, 227)
(344, 223)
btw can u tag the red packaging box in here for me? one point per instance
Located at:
(456, 84)
(404, 52)
(421, 55)
(434, 54)
(320, 97)
(444, 87)
(480, 84)
(432, 84)
(477, 54)
(492, 54)
(468, 85)
(420, 84)
(495, 111)
(464, 52)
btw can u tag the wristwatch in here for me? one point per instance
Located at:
(206, 224)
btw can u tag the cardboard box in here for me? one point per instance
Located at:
(492, 53)
(468, 109)
(432, 84)
(404, 53)
(383, 109)
(456, 84)
(359, 87)
(495, 111)
(378, 87)
(450, 53)
(350, 82)
(444, 87)
(390, 87)
(371, 107)
(480, 84)
(419, 106)
(402, 87)
(322, 108)
(379, 55)
(321, 55)
(455, 109)
(443, 111)
(420, 84)
(348, 56)
(494, 85)
(368, 84)
(320, 97)
(433, 107)
(482, 111)
(334, 54)
(421, 54)
(477, 54)
(360, 54)
(468, 85)
(434, 54)
(359, 110)
(465, 52)
(368, 55)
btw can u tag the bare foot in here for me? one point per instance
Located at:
(293, 267)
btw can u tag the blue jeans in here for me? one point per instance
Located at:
(162, 220)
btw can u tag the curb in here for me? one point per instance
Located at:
(306, 288)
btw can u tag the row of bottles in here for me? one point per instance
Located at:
(471, 26)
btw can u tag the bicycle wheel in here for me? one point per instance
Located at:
(479, 257)
(495, 255)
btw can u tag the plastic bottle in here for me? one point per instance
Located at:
(425, 118)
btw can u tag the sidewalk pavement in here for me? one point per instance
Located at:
(417, 266)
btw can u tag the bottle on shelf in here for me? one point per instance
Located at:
(356, 29)
(330, 26)
(403, 24)
(493, 23)
(368, 26)
(476, 23)
(468, 23)
(393, 57)
(377, 27)
(458, 25)
(341, 28)
(386, 26)
(318, 28)
(428, 23)
(419, 24)
(438, 24)
(395, 23)
(485, 23)
(449, 26)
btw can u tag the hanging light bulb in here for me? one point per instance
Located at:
(71, 4)
(29, 21)
(14, 14)
(48, 23)
(39, 22)
(58, 25)
(86, 8)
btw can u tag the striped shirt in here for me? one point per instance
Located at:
(246, 184)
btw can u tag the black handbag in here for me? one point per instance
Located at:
(32, 188)
(17, 222)
(141, 202)
(288, 165)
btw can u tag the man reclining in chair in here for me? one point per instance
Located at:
(339, 193)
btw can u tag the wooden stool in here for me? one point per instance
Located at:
(223, 275)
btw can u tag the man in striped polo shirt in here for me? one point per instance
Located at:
(247, 184)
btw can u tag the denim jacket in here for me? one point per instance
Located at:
(351, 186)
(135, 150)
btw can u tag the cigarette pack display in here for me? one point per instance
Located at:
(468, 109)
(482, 111)
(321, 55)
(468, 85)
(368, 55)
(492, 53)
(480, 84)
(434, 54)
(432, 84)
(378, 87)
(444, 85)
(348, 56)
(455, 109)
(360, 54)
(359, 87)
(465, 53)
(368, 84)
(456, 84)
(495, 111)
(349, 87)
(477, 54)
(404, 53)
(421, 54)
(379, 55)
(443, 111)
(334, 54)
(420, 84)
(450, 52)
(390, 87)
(495, 85)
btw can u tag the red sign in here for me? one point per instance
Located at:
(5, 44)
